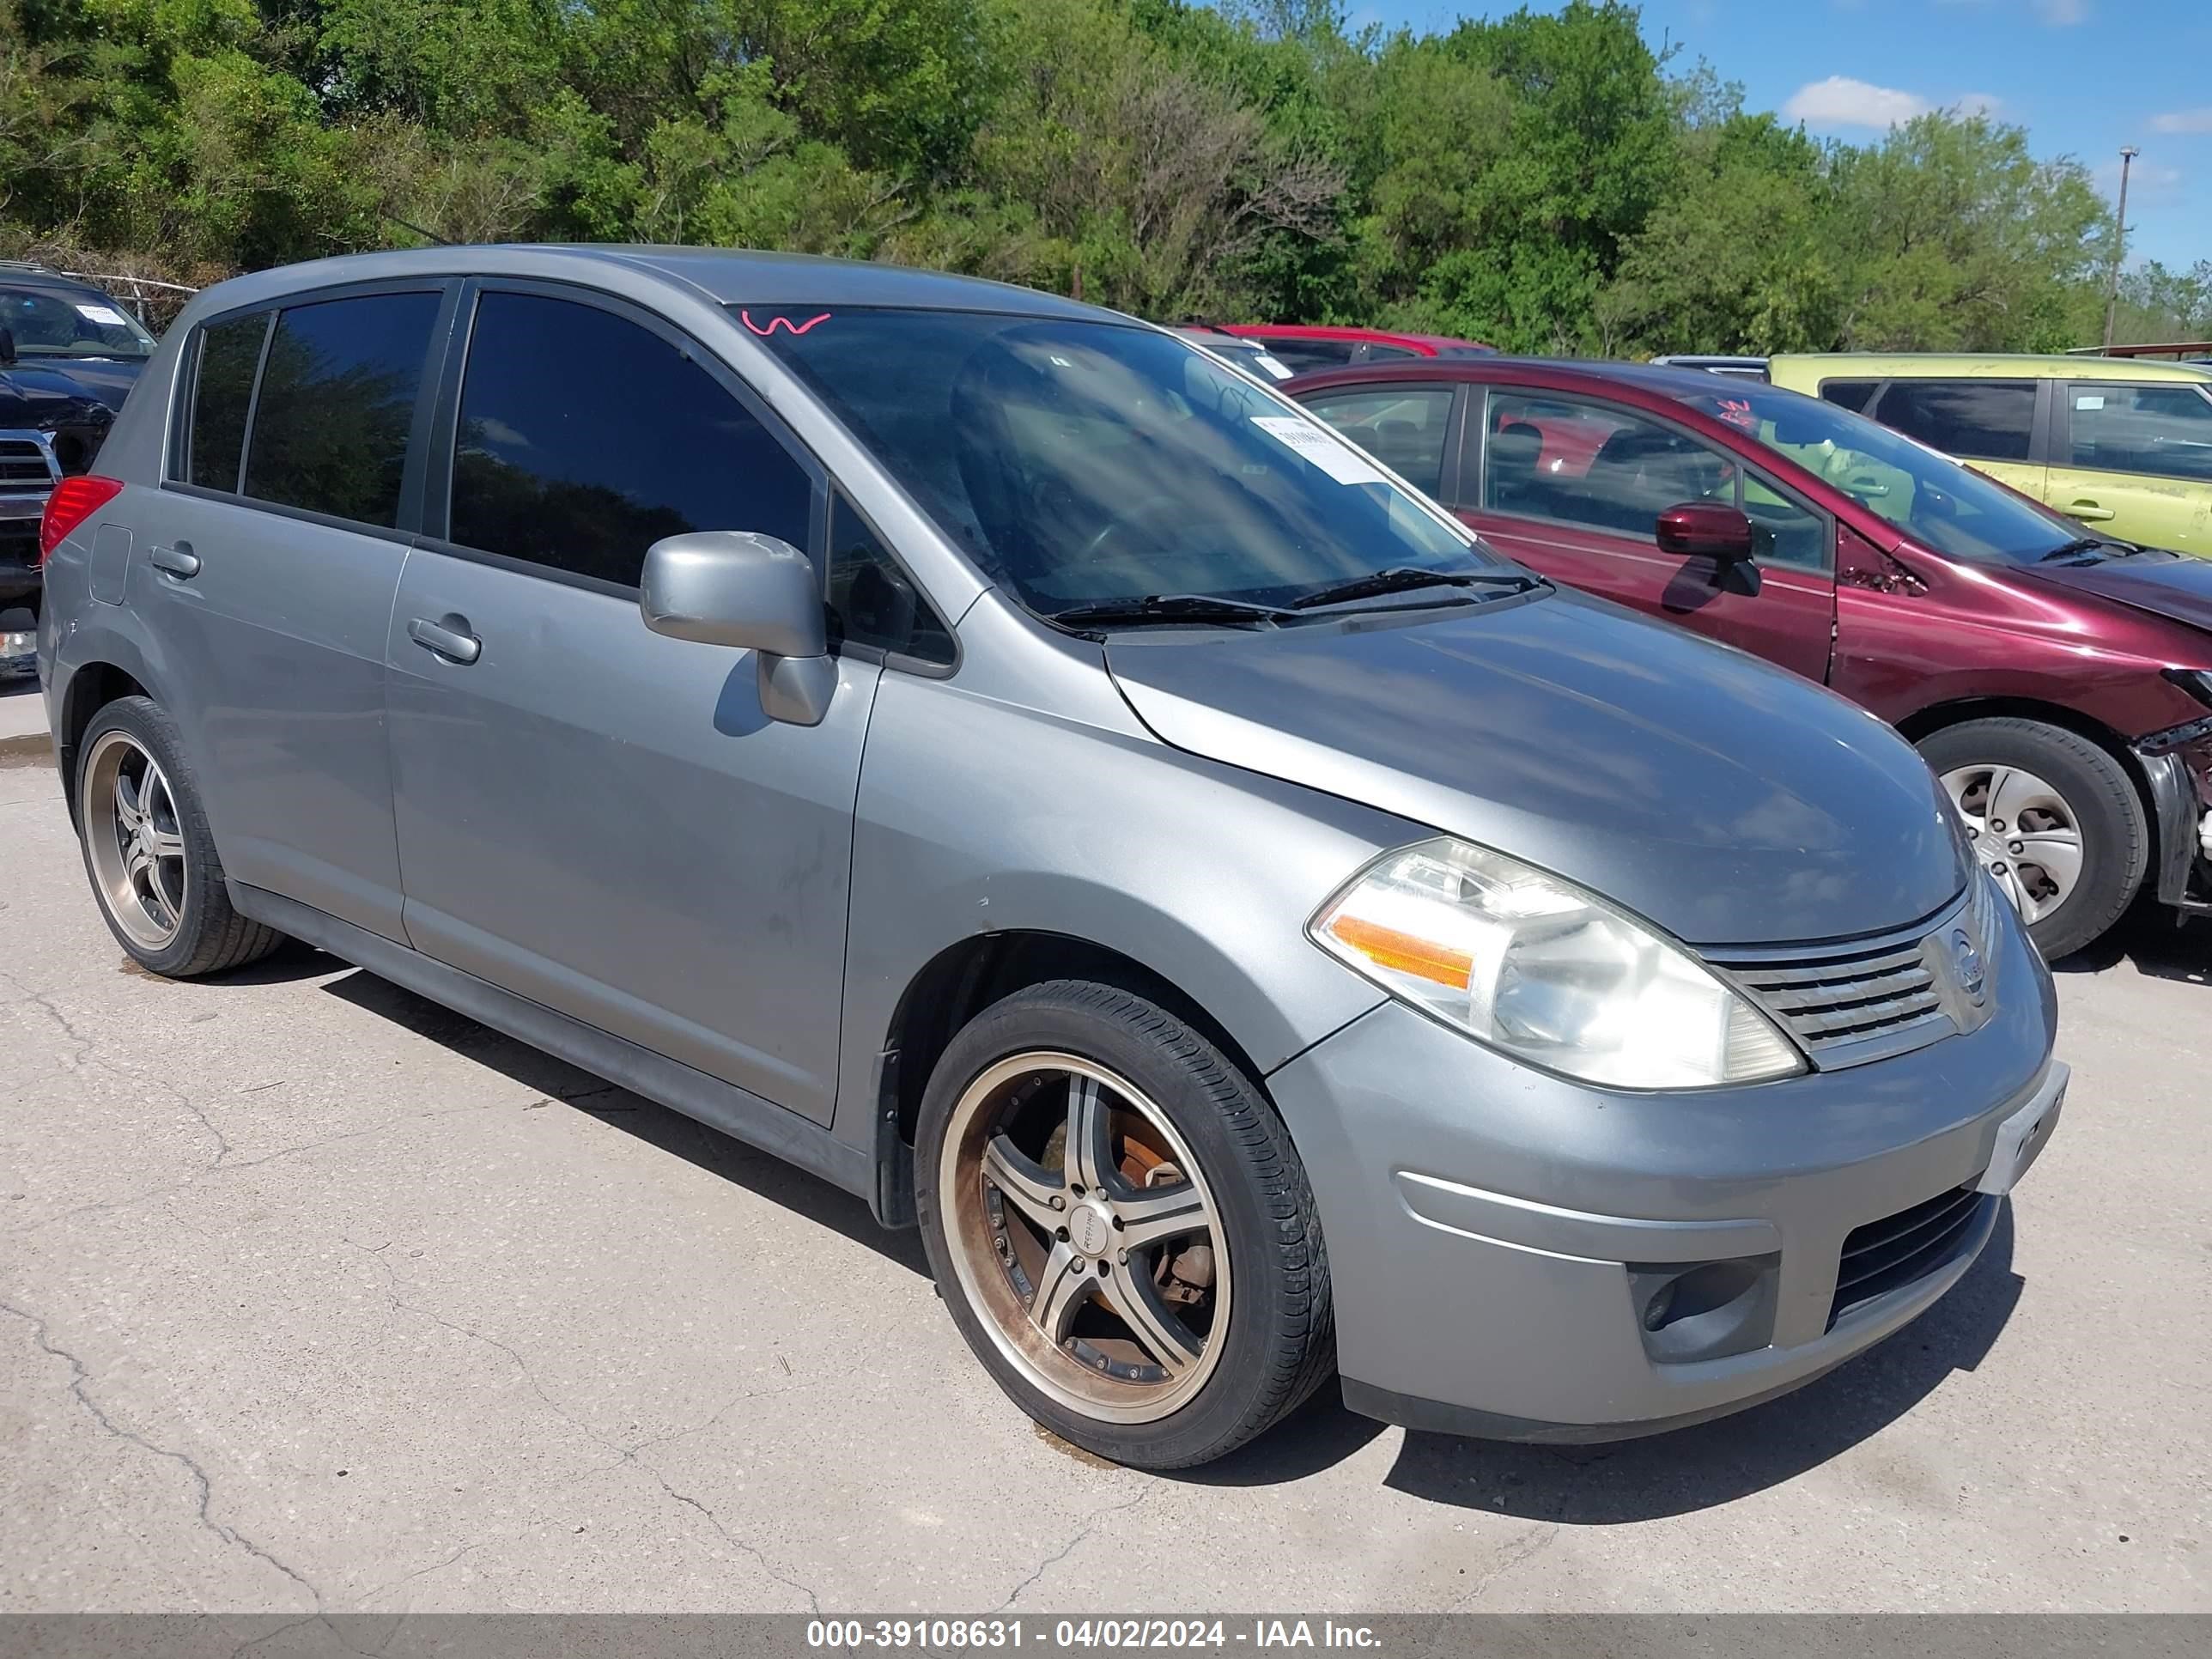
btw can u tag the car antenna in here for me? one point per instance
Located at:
(427, 236)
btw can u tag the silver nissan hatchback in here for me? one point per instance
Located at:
(1009, 763)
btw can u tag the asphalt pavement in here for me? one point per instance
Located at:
(315, 1296)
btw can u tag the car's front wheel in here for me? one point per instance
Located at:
(2053, 818)
(1120, 1226)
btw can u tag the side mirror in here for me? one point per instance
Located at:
(1711, 530)
(6, 347)
(755, 593)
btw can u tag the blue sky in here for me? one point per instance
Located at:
(2083, 76)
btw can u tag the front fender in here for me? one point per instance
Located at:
(977, 816)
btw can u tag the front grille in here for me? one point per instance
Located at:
(1887, 1255)
(1847, 1004)
(25, 463)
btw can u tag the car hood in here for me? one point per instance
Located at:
(38, 397)
(2172, 585)
(1727, 800)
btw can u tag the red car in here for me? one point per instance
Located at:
(2059, 683)
(1314, 346)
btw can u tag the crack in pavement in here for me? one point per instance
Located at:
(81, 1377)
(391, 1293)
(361, 1601)
(87, 1054)
(1068, 1549)
(1531, 1545)
(624, 1455)
(194, 1180)
(813, 1601)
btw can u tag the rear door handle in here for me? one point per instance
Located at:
(179, 561)
(449, 638)
(2090, 513)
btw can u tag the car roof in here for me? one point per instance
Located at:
(13, 275)
(1338, 331)
(1986, 366)
(726, 276)
(1566, 374)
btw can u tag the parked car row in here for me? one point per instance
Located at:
(1028, 771)
(2116, 440)
(2058, 681)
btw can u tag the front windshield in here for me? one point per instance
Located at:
(47, 322)
(1084, 463)
(1931, 497)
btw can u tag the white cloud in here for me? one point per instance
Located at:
(2185, 120)
(1840, 101)
(2147, 182)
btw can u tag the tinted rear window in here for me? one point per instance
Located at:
(1306, 356)
(338, 398)
(228, 352)
(1979, 420)
(1849, 394)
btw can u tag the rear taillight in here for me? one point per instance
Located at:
(74, 501)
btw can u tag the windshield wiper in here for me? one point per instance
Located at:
(1172, 608)
(1402, 578)
(2079, 545)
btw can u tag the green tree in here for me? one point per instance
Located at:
(1958, 239)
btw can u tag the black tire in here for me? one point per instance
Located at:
(2115, 842)
(1281, 1343)
(211, 938)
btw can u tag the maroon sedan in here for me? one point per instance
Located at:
(2060, 684)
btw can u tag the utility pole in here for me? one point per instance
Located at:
(2128, 155)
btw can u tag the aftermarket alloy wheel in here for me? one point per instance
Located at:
(2052, 816)
(148, 851)
(1120, 1226)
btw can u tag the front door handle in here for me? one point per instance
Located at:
(179, 561)
(2090, 513)
(448, 637)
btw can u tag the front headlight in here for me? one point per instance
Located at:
(1550, 974)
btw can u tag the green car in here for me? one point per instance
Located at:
(2123, 445)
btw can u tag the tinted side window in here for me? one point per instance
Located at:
(1402, 427)
(1378, 352)
(584, 438)
(1851, 394)
(2165, 431)
(1981, 420)
(230, 352)
(873, 601)
(337, 398)
(1613, 470)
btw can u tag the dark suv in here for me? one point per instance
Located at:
(68, 354)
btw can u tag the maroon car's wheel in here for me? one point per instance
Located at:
(2054, 819)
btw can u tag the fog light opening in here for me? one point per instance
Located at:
(1705, 1309)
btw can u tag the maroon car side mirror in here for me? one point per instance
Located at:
(1710, 530)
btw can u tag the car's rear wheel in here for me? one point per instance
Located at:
(148, 851)
(2054, 818)
(1120, 1227)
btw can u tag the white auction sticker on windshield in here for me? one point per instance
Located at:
(106, 316)
(1339, 461)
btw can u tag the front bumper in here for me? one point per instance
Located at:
(2179, 766)
(1500, 1240)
